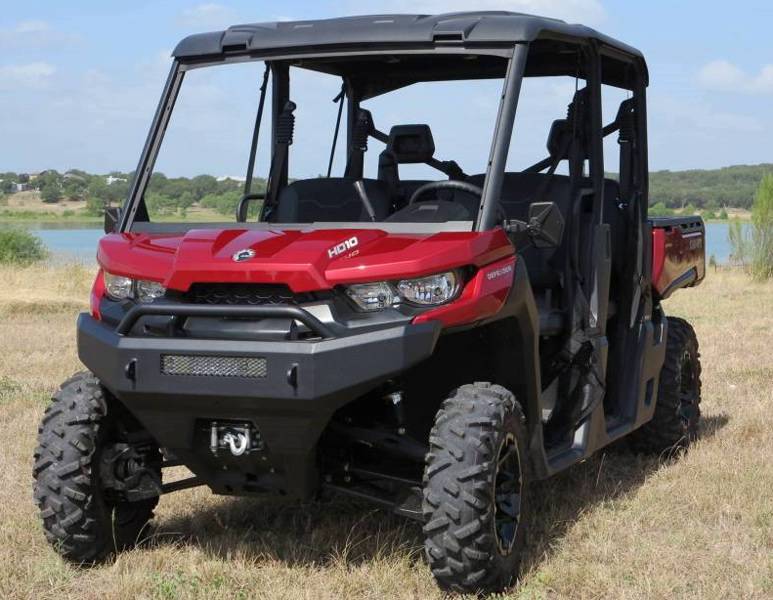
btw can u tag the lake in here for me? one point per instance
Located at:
(73, 241)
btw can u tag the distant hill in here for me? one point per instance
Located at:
(729, 186)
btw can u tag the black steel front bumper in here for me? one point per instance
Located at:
(305, 383)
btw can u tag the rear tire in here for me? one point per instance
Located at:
(79, 520)
(677, 411)
(475, 490)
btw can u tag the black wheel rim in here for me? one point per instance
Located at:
(508, 485)
(688, 392)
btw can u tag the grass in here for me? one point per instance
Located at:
(616, 526)
(27, 207)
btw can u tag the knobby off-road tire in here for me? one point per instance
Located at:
(475, 484)
(78, 519)
(677, 410)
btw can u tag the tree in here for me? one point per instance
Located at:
(74, 187)
(739, 246)
(203, 185)
(50, 192)
(7, 186)
(659, 210)
(762, 230)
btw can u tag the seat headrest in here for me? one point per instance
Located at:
(411, 143)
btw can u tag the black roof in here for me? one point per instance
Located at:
(386, 31)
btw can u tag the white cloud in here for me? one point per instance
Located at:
(722, 75)
(589, 12)
(32, 27)
(208, 16)
(33, 34)
(30, 75)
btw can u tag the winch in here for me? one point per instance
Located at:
(237, 438)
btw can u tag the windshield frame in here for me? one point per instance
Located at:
(134, 210)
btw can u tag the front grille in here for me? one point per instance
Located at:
(214, 366)
(240, 294)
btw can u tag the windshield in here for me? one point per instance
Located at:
(339, 142)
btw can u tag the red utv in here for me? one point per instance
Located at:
(432, 345)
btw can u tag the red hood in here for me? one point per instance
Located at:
(305, 260)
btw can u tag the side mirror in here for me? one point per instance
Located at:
(546, 225)
(112, 217)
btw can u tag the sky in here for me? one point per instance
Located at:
(79, 82)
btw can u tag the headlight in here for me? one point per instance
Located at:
(371, 296)
(147, 291)
(423, 291)
(429, 291)
(118, 287)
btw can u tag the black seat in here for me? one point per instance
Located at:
(518, 192)
(331, 199)
(407, 144)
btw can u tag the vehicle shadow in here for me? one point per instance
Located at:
(337, 530)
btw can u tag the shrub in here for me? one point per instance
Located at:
(708, 215)
(762, 230)
(739, 244)
(225, 204)
(723, 215)
(20, 247)
(660, 210)
(690, 210)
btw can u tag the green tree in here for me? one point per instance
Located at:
(739, 244)
(74, 187)
(660, 210)
(8, 182)
(50, 192)
(203, 185)
(762, 230)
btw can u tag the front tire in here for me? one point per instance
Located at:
(80, 519)
(674, 425)
(475, 490)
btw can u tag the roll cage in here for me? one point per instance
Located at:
(592, 58)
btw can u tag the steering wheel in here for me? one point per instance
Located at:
(459, 186)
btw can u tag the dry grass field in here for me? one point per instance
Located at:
(617, 526)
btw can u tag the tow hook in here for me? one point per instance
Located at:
(237, 438)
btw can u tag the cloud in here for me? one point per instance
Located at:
(589, 12)
(31, 75)
(208, 16)
(34, 34)
(722, 75)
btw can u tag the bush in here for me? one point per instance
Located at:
(708, 215)
(20, 247)
(660, 210)
(723, 215)
(762, 230)
(690, 210)
(225, 204)
(739, 244)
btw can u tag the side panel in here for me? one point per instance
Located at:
(678, 254)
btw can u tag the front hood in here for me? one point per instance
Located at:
(305, 260)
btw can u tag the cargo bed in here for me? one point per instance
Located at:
(678, 253)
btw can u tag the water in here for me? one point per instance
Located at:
(73, 241)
